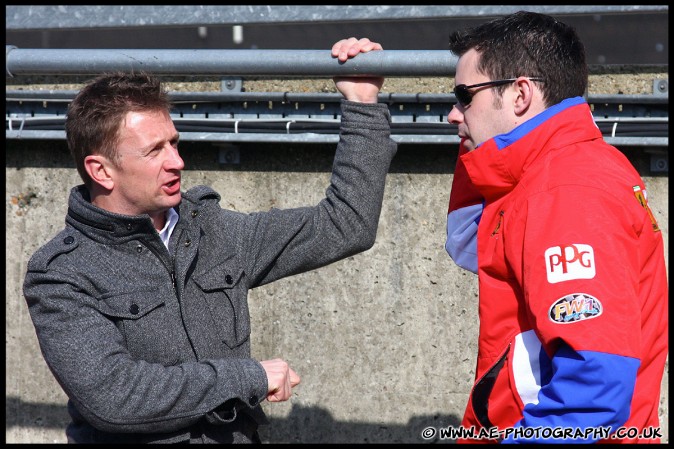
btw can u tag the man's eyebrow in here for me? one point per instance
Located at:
(153, 145)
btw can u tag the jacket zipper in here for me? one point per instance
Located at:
(498, 225)
(170, 269)
(173, 262)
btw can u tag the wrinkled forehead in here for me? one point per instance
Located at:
(146, 128)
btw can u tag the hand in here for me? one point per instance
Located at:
(362, 89)
(280, 380)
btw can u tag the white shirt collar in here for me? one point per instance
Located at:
(171, 220)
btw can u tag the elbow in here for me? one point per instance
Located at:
(357, 240)
(367, 242)
(367, 235)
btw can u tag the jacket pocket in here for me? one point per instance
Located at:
(226, 297)
(493, 400)
(141, 316)
(482, 391)
(130, 305)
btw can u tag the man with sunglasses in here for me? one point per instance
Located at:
(570, 259)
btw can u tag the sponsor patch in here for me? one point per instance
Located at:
(567, 262)
(575, 307)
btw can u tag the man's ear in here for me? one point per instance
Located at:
(100, 170)
(525, 95)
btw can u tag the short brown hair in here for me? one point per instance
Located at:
(97, 112)
(528, 44)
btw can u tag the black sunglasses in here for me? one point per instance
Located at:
(464, 96)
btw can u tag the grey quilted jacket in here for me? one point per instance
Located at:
(152, 345)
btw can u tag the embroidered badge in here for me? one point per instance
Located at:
(566, 262)
(641, 196)
(574, 307)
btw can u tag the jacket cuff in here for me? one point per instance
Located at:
(254, 385)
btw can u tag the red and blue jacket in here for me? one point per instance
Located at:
(573, 308)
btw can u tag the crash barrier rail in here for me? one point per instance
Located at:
(233, 115)
(304, 63)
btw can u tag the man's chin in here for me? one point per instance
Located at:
(170, 201)
(174, 200)
(469, 145)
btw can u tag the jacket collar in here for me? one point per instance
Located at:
(101, 224)
(496, 166)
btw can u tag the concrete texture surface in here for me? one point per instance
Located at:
(385, 341)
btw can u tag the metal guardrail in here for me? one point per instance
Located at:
(231, 116)
(307, 63)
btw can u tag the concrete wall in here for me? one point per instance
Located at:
(384, 341)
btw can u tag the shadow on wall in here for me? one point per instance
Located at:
(303, 425)
(316, 425)
(276, 157)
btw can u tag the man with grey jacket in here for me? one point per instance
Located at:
(140, 303)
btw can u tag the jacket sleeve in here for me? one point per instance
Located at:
(579, 265)
(284, 242)
(463, 217)
(114, 392)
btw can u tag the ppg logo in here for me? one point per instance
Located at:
(567, 262)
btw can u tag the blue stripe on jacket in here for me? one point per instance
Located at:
(587, 390)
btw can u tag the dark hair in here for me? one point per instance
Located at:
(95, 115)
(528, 44)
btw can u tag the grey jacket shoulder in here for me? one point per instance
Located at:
(64, 242)
(199, 194)
(206, 201)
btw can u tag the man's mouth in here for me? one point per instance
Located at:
(172, 187)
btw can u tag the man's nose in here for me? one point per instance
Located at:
(455, 116)
(174, 161)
